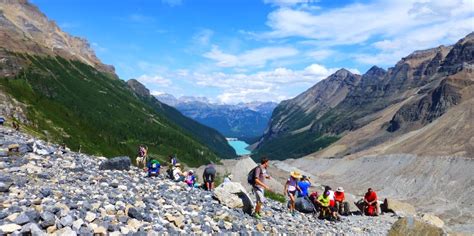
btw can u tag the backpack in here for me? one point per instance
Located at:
(251, 176)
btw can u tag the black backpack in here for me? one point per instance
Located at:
(251, 176)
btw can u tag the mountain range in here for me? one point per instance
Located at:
(423, 105)
(56, 88)
(246, 121)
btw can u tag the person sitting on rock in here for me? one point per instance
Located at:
(304, 185)
(291, 188)
(342, 206)
(153, 168)
(326, 211)
(190, 178)
(208, 176)
(178, 175)
(370, 205)
(332, 203)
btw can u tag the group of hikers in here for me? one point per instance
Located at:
(175, 171)
(330, 204)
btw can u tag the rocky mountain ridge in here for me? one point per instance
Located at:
(25, 29)
(243, 120)
(421, 87)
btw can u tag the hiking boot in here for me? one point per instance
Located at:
(293, 213)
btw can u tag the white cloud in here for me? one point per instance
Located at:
(275, 85)
(256, 57)
(203, 37)
(172, 3)
(320, 54)
(156, 93)
(399, 27)
(154, 81)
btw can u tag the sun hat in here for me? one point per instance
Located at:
(230, 176)
(340, 189)
(191, 171)
(177, 165)
(295, 174)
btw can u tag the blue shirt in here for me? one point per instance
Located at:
(304, 185)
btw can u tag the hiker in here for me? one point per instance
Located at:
(341, 205)
(291, 188)
(304, 185)
(326, 210)
(208, 176)
(257, 178)
(178, 175)
(370, 205)
(142, 155)
(153, 168)
(332, 203)
(190, 178)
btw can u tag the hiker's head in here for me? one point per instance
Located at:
(327, 188)
(369, 190)
(326, 193)
(264, 162)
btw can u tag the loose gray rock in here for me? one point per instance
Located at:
(116, 163)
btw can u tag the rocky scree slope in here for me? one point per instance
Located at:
(418, 90)
(69, 194)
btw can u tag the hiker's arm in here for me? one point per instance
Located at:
(258, 182)
(285, 188)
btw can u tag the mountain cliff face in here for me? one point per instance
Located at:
(25, 29)
(55, 86)
(245, 120)
(419, 89)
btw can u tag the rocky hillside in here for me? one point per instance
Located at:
(421, 88)
(68, 193)
(53, 84)
(244, 120)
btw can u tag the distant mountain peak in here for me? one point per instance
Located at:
(375, 71)
(343, 72)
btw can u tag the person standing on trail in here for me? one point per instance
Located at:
(259, 186)
(208, 176)
(304, 185)
(291, 188)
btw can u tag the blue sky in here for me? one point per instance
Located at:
(245, 50)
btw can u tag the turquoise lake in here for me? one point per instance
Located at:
(239, 147)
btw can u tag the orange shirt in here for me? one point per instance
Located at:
(339, 196)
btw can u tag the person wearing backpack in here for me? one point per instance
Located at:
(153, 168)
(256, 178)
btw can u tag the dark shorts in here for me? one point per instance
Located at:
(209, 178)
(293, 193)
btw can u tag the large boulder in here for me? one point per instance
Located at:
(410, 226)
(234, 195)
(304, 204)
(398, 207)
(432, 219)
(116, 163)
